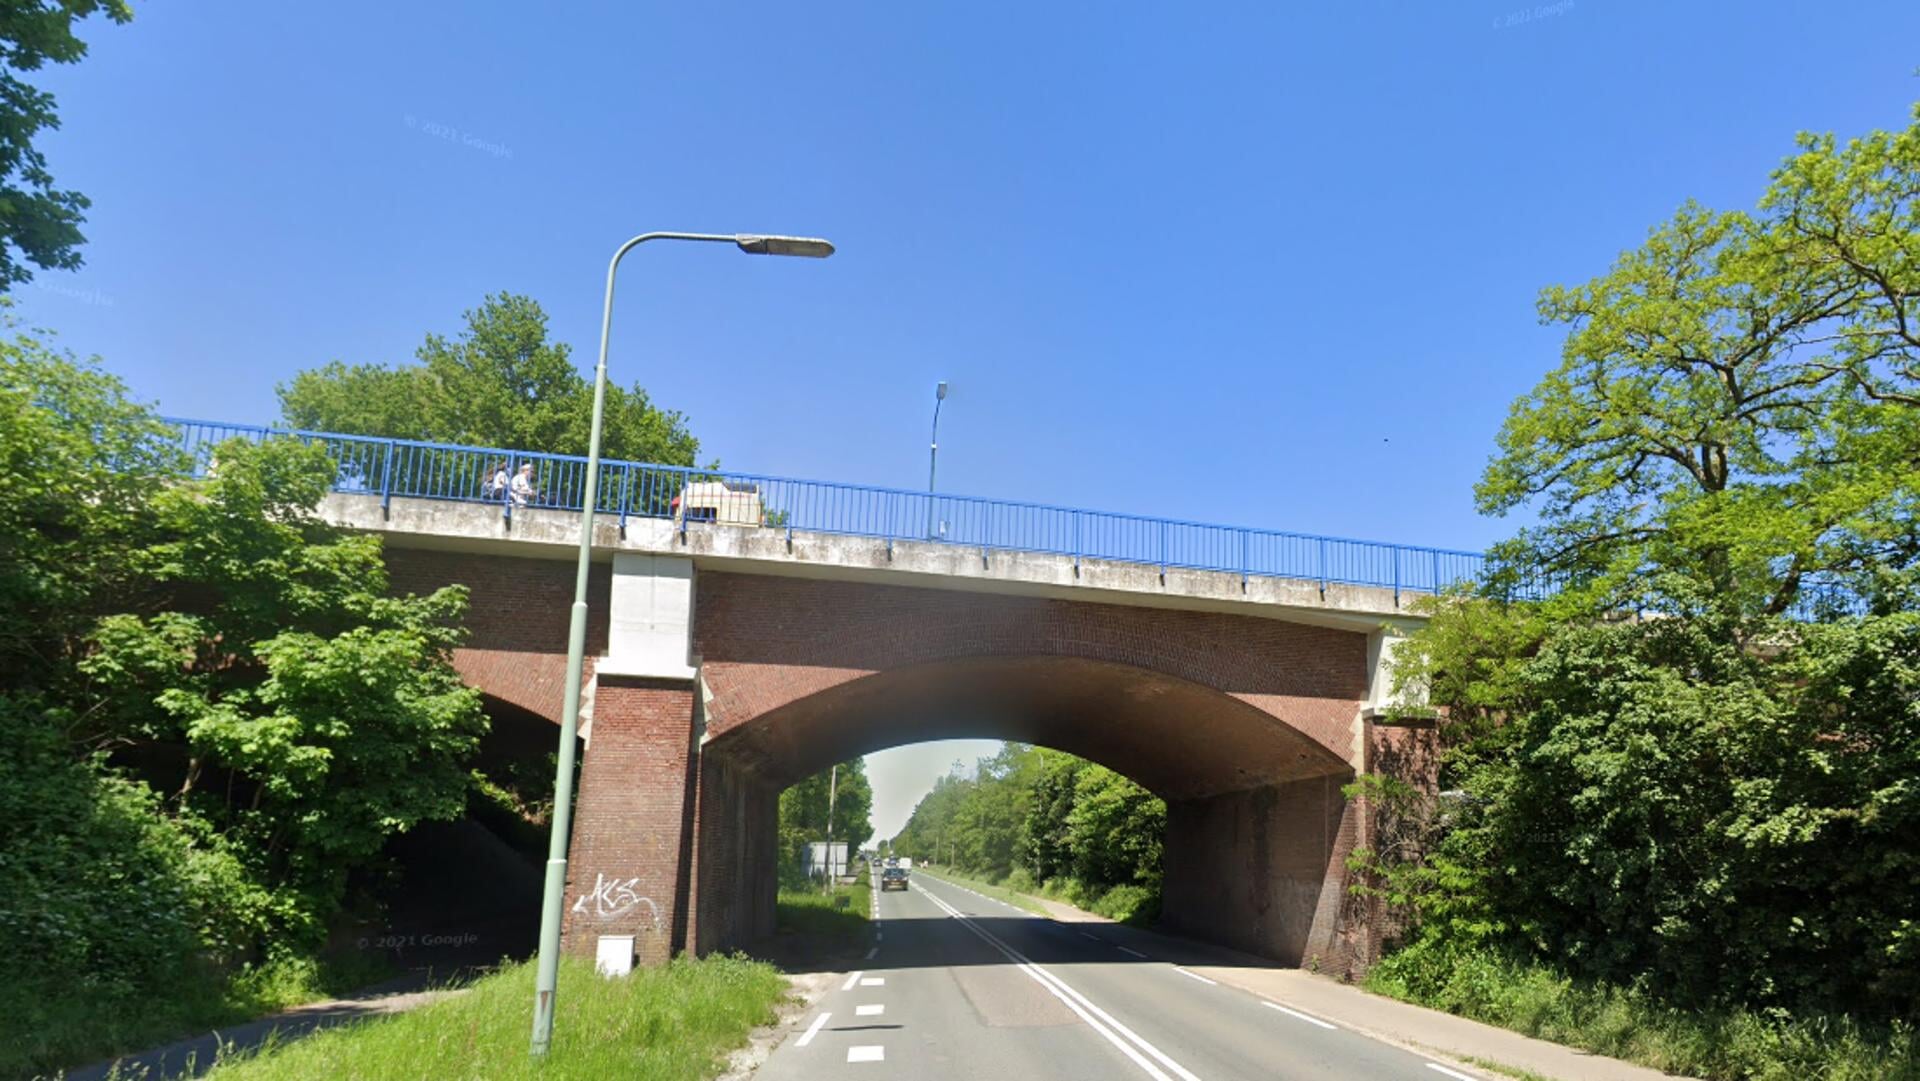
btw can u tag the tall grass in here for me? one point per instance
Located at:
(1136, 906)
(50, 1024)
(671, 1023)
(1631, 1023)
(838, 913)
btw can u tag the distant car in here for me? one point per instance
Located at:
(893, 878)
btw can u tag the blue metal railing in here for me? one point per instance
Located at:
(371, 465)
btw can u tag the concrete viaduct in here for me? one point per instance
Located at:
(725, 663)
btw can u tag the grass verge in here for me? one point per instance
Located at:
(839, 914)
(670, 1023)
(1729, 1045)
(50, 1024)
(990, 889)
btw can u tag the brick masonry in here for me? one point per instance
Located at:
(629, 871)
(517, 613)
(1248, 725)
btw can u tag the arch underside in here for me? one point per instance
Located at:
(1179, 739)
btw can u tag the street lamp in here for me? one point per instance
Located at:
(933, 452)
(547, 974)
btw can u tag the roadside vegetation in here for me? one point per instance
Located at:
(1049, 824)
(1682, 824)
(215, 717)
(997, 890)
(841, 913)
(673, 1023)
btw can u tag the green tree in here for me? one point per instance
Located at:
(317, 716)
(1716, 804)
(82, 464)
(1115, 831)
(804, 810)
(1046, 843)
(500, 383)
(1733, 415)
(39, 223)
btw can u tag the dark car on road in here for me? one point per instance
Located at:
(893, 878)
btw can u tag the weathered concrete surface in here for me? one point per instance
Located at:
(473, 527)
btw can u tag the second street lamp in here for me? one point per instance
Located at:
(554, 896)
(933, 455)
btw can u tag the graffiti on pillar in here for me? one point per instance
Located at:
(611, 897)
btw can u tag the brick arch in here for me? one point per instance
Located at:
(766, 643)
(1180, 739)
(1248, 726)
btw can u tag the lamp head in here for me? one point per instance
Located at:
(940, 392)
(810, 247)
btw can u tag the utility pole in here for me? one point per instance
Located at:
(833, 781)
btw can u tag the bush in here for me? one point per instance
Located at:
(1135, 905)
(1633, 1023)
(116, 926)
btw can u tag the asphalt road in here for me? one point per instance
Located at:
(960, 986)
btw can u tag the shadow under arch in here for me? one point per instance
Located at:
(1177, 738)
(1258, 829)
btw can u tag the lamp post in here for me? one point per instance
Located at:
(933, 452)
(554, 896)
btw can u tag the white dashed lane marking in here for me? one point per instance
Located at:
(873, 1010)
(873, 981)
(813, 1030)
(872, 1052)
(1304, 1017)
(1195, 976)
(852, 978)
(1134, 953)
(1451, 1073)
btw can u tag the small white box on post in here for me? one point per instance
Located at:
(614, 955)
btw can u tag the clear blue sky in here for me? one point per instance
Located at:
(1272, 267)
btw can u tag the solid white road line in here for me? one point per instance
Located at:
(1135, 953)
(1083, 934)
(852, 978)
(1451, 1073)
(873, 981)
(1296, 1013)
(872, 1010)
(871, 952)
(1111, 1030)
(1196, 976)
(871, 1052)
(813, 1030)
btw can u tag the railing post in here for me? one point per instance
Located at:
(1076, 544)
(1163, 553)
(1244, 542)
(386, 481)
(1323, 568)
(626, 476)
(1396, 576)
(1436, 572)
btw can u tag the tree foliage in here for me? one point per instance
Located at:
(1716, 801)
(500, 383)
(1732, 418)
(212, 711)
(845, 793)
(39, 223)
(1043, 816)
